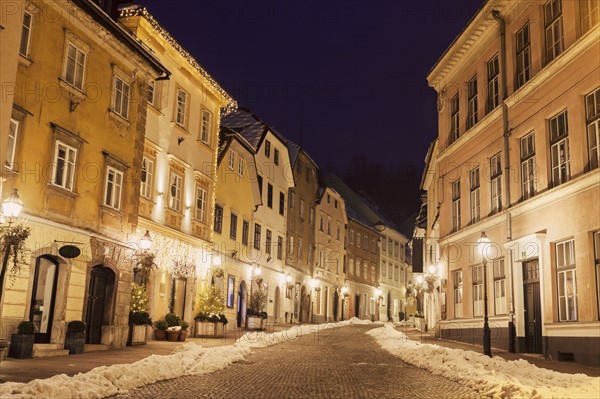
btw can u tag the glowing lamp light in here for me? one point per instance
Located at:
(313, 283)
(483, 243)
(12, 205)
(344, 290)
(146, 241)
(378, 292)
(288, 278)
(257, 271)
(420, 280)
(432, 269)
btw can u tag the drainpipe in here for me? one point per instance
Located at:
(505, 136)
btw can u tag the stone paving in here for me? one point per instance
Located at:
(337, 363)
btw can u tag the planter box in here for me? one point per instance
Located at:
(254, 323)
(172, 336)
(21, 346)
(160, 335)
(137, 334)
(208, 329)
(75, 342)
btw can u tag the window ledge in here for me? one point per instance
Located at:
(119, 120)
(25, 61)
(179, 127)
(72, 90)
(62, 190)
(108, 209)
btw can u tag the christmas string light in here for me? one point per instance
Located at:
(136, 11)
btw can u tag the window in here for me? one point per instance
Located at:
(329, 227)
(230, 290)
(396, 247)
(74, 66)
(590, 14)
(175, 192)
(233, 227)
(454, 119)
(281, 203)
(299, 248)
(553, 28)
(559, 148)
(63, 173)
(218, 227)
(596, 239)
(352, 237)
(259, 179)
(365, 242)
(276, 156)
(528, 180)
(268, 242)
(307, 174)
(391, 271)
(373, 246)
(396, 273)
(150, 95)
(383, 268)
(311, 216)
(335, 203)
(279, 247)
(365, 272)
(25, 34)
(458, 293)
(566, 279)
(456, 205)
(301, 208)
(321, 223)
(328, 198)
(592, 112)
(292, 199)
(13, 134)
(181, 108)
(113, 187)
(270, 195)
(523, 56)
(350, 266)
(146, 178)
(240, 169)
(493, 70)
(230, 159)
(496, 180)
(477, 291)
(373, 271)
(291, 246)
(358, 238)
(338, 232)
(200, 211)
(475, 202)
(383, 244)
(257, 233)
(499, 286)
(206, 126)
(245, 232)
(472, 103)
(267, 148)
(120, 100)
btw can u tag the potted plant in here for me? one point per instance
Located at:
(21, 343)
(139, 318)
(420, 321)
(184, 330)
(211, 321)
(173, 326)
(75, 340)
(160, 329)
(255, 314)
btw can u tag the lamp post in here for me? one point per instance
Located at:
(11, 208)
(482, 245)
(313, 283)
(146, 241)
(378, 296)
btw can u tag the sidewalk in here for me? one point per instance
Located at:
(25, 370)
(538, 360)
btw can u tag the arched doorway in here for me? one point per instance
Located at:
(43, 296)
(357, 306)
(389, 306)
(241, 301)
(277, 305)
(99, 302)
(336, 298)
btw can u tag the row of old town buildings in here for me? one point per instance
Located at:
(112, 133)
(516, 160)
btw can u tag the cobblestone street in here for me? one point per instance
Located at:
(336, 363)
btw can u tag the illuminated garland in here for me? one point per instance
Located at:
(134, 11)
(174, 256)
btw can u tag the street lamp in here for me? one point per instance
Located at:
(379, 297)
(146, 241)
(11, 208)
(483, 244)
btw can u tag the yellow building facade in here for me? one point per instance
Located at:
(78, 112)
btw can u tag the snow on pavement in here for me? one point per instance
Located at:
(493, 377)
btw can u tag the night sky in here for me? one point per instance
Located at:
(338, 77)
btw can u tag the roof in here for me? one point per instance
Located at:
(137, 10)
(356, 208)
(247, 124)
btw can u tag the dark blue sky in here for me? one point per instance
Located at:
(339, 77)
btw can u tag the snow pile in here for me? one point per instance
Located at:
(494, 377)
(119, 378)
(262, 339)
